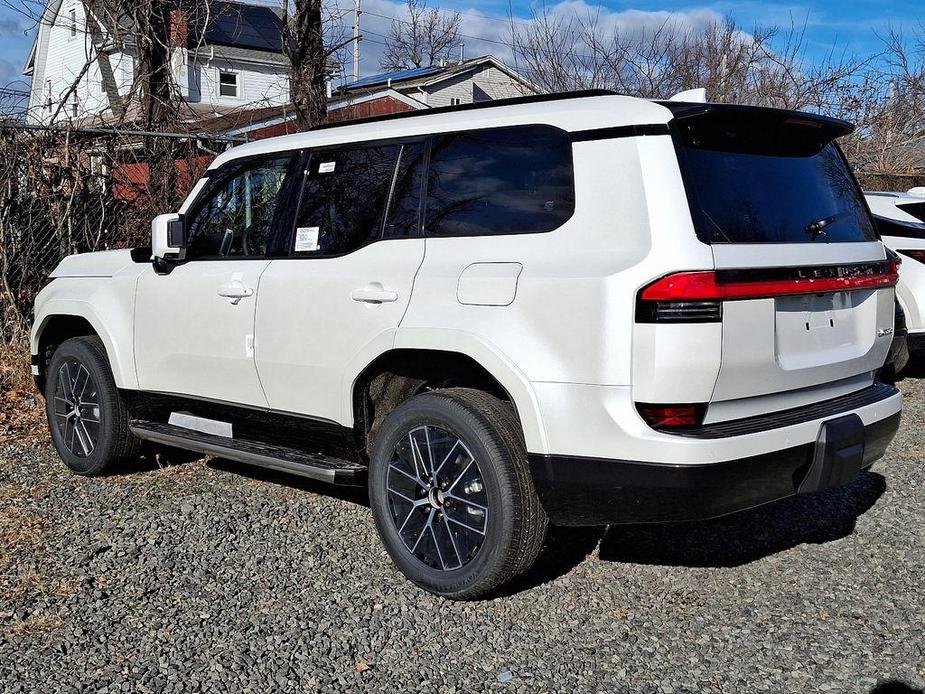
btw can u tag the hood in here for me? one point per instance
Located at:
(99, 264)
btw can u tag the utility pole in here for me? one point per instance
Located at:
(356, 39)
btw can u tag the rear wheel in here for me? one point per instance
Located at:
(451, 494)
(88, 422)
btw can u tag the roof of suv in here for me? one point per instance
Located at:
(574, 111)
(570, 111)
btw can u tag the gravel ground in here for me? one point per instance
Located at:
(213, 577)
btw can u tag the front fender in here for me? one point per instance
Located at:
(106, 305)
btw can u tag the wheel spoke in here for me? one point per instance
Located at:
(416, 480)
(461, 475)
(467, 502)
(453, 448)
(430, 450)
(467, 527)
(445, 528)
(430, 518)
(415, 504)
(433, 536)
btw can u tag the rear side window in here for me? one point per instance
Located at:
(752, 180)
(343, 202)
(515, 180)
(894, 227)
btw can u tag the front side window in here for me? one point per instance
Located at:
(239, 211)
(343, 205)
(515, 180)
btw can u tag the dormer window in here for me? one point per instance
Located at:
(73, 22)
(228, 84)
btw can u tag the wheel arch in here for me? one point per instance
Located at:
(407, 369)
(59, 323)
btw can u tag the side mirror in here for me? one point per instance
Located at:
(168, 237)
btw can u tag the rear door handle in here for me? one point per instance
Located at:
(374, 293)
(234, 291)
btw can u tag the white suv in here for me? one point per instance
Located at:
(900, 219)
(577, 309)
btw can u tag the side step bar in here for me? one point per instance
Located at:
(291, 460)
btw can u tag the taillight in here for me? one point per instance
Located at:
(915, 254)
(698, 296)
(660, 416)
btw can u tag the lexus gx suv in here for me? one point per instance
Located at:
(576, 309)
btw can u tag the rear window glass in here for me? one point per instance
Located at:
(761, 182)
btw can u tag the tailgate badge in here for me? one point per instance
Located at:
(883, 332)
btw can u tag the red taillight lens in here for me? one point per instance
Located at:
(672, 416)
(727, 285)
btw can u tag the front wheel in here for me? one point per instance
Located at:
(451, 494)
(87, 419)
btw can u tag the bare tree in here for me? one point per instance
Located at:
(425, 38)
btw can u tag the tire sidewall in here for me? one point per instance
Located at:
(439, 411)
(76, 349)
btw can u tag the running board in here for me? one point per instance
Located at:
(291, 460)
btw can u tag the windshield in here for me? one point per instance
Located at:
(753, 181)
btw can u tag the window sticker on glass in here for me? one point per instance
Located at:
(306, 239)
(326, 167)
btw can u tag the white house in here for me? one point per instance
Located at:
(224, 59)
(479, 79)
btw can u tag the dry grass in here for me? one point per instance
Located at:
(22, 416)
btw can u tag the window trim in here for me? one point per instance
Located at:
(72, 23)
(217, 177)
(238, 82)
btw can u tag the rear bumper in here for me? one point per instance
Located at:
(579, 490)
(916, 343)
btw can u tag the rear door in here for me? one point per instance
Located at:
(335, 303)
(789, 229)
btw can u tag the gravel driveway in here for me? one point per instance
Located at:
(217, 578)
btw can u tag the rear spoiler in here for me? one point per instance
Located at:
(832, 127)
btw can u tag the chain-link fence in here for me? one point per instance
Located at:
(70, 191)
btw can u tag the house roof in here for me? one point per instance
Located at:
(426, 76)
(228, 23)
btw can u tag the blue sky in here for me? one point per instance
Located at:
(852, 25)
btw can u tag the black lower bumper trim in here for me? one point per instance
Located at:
(599, 491)
(916, 342)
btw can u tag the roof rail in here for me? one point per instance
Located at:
(534, 99)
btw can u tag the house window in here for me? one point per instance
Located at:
(73, 16)
(48, 99)
(455, 101)
(228, 84)
(74, 105)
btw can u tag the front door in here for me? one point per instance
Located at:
(194, 326)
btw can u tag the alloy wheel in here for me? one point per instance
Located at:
(437, 498)
(77, 408)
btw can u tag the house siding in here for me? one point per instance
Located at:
(258, 85)
(494, 82)
(60, 58)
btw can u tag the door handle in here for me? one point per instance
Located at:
(235, 291)
(374, 293)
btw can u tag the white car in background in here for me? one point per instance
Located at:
(900, 219)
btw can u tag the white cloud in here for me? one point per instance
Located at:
(487, 33)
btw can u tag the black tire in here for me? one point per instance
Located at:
(514, 523)
(112, 442)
